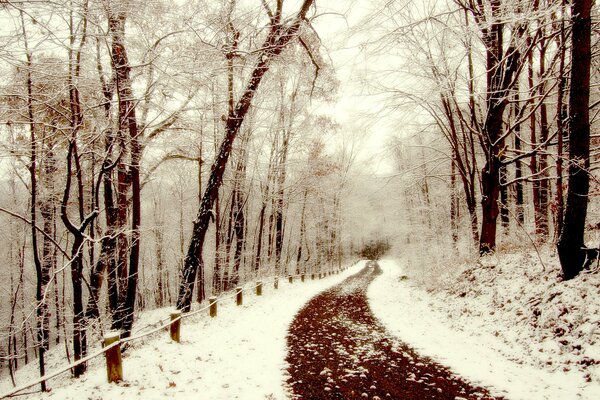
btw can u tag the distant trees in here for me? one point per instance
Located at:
(375, 249)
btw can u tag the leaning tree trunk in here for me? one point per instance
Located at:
(277, 39)
(571, 242)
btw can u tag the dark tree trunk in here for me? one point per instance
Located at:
(560, 118)
(519, 201)
(299, 260)
(571, 241)
(533, 161)
(79, 345)
(201, 292)
(490, 188)
(279, 202)
(544, 182)
(504, 211)
(239, 216)
(127, 128)
(501, 66)
(259, 236)
(42, 277)
(107, 259)
(278, 37)
(454, 223)
(217, 270)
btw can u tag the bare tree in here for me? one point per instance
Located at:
(280, 33)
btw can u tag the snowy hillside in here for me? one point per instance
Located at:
(506, 322)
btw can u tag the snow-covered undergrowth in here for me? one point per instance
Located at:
(508, 322)
(237, 355)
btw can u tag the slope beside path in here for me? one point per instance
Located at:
(464, 334)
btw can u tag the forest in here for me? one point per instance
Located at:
(155, 153)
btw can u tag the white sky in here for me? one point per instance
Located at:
(339, 28)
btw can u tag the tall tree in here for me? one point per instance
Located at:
(501, 66)
(280, 33)
(571, 241)
(42, 275)
(128, 133)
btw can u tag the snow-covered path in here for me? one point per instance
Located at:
(240, 354)
(237, 355)
(338, 350)
(408, 313)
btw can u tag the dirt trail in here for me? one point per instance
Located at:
(337, 349)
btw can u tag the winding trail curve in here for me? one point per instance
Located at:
(337, 349)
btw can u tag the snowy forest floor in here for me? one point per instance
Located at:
(506, 323)
(237, 355)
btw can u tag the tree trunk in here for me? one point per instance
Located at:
(560, 118)
(519, 201)
(127, 128)
(544, 182)
(501, 66)
(79, 346)
(42, 277)
(504, 211)
(533, 161)
(302, 234)
(277, 38)
(571, 241)
(201, 292)
(259, 236)
(454, 223)
(238, 205)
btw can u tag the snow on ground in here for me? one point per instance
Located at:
(237, 355)
(497, 323)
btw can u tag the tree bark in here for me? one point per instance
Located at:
(544, 182)
(278, 37)
(127, 127)
(560, 126)
(501, 66)
(571, 242)
(519, 201)
(41, 275)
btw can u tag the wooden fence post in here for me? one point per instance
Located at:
(212, 300)
(291, 279)
(259, 288)
(114, 366)
(238, 296)
(302, 277)
(175, 327)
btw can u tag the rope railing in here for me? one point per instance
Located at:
(114, 344)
